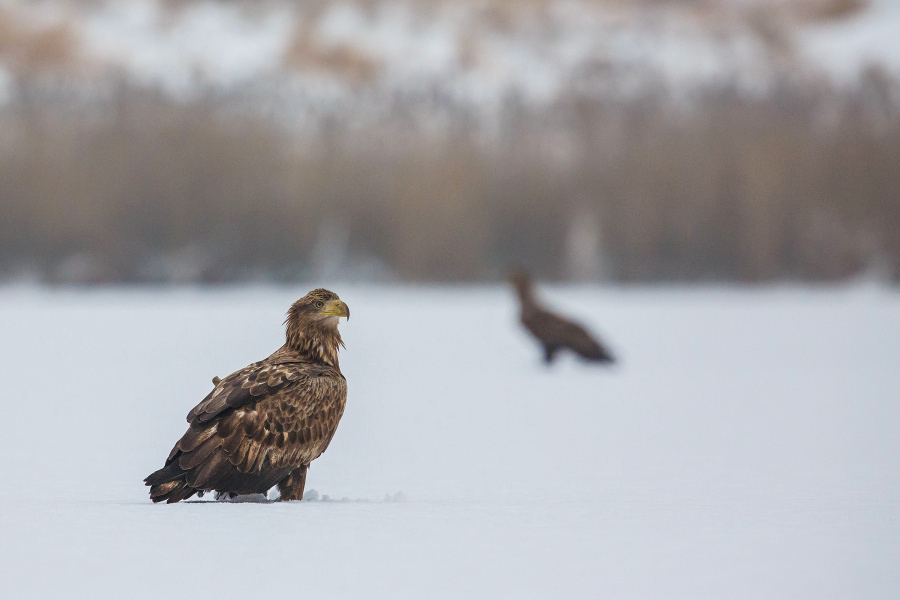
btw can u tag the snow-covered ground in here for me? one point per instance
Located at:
(746, 446)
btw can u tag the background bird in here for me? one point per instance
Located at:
(553, 331)
(262, 425)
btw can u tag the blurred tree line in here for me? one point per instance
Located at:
(800, 183)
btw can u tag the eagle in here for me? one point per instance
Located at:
(552, 331)
(264, 424)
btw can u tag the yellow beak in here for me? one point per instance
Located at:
(336, 308)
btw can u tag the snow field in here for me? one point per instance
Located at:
(745, 447)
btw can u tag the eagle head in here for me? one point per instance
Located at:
(312, 323)
(319, 305)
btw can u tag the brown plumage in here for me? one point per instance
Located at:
(552, 331)
(262, 426)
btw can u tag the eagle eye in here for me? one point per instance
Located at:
(319, 304)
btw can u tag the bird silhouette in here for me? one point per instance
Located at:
(554, 332)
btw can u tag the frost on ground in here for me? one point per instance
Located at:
(746, 446)
(309, 496)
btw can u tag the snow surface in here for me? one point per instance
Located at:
(746, 446)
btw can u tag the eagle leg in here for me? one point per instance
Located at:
(549, 353)
(291, 487)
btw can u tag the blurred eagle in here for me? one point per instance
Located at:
(552, 331)
(262, 426)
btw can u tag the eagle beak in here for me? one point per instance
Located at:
(336, 308)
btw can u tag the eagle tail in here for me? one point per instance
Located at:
(600, 354)
(169, 484)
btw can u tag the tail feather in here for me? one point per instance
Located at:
(181, 493)
(168, 473)
(172, 491)
(169, 484)
(597, 353)
(174, 482)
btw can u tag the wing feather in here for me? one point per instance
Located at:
(205, 476)
(196, 436)
(258, 425)
(239, 456)
(233, 442)
(246, 386)
(249, 463)
(190, 460)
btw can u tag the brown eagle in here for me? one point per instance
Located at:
(552, 331)
(264, 424)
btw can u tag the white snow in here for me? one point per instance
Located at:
(746, 446)
(467, 52)
(845, 47)
(204, 42)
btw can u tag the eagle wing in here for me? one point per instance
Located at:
(255, 427)
(248, 385)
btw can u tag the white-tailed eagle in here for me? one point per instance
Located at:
(262, 425)
(552, 331)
